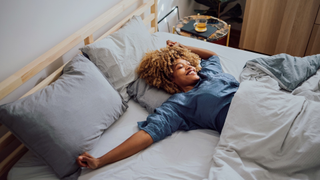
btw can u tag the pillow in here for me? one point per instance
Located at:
(119, 54)
(66, 118)
(147, 96)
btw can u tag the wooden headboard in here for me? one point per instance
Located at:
(8, 154)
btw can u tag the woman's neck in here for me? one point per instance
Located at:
(189, 87)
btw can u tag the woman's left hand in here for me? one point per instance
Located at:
(171, 43)
(203, 53)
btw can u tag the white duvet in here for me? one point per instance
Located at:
(270, 133)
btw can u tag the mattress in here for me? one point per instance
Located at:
(183, 155)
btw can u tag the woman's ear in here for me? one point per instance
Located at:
(171, 77)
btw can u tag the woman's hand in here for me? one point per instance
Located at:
(134, 144)
(171, 43)
(86, 160)
(203, 53)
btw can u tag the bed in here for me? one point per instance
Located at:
(109, 105)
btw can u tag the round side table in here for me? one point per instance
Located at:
(222, 28)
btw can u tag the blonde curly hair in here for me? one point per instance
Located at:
(156, 66)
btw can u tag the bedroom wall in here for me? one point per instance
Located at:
(30, 28)
(185, 8)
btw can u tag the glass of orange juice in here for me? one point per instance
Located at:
(200, 25)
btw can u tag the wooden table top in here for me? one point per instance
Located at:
(222, 28)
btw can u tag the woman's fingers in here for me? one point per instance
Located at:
(80, 162)
(88, 161)
(171, 43)
(84, 160)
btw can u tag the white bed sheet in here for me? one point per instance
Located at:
(184, 155)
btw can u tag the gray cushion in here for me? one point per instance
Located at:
(66, 118)
(119, 54)
(147, 96)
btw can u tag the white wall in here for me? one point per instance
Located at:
(30, 28)
(186, 8)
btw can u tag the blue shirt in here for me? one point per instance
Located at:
(204, 107)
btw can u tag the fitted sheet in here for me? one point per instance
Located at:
(184, 155)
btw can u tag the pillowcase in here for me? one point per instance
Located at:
(147, 96)
(119, 54)
(66, 118)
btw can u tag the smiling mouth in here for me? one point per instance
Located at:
(192, 72)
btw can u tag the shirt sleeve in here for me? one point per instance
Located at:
(163, 122)
(211, 66)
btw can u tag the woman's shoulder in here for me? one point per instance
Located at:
(211, 66)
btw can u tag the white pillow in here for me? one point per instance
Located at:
(119, 54)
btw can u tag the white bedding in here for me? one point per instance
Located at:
(184, 155)
(270, 133)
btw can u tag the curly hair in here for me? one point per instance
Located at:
(156, 66)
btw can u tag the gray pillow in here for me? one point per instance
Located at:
(66, 118)
(119, 54)
(147, 96)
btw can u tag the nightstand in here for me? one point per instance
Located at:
(222, 32)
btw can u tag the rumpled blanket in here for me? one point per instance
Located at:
(272, 130)
(287, 70)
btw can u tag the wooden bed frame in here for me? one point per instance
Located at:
(84, 34)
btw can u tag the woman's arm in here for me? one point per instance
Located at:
(203, 53)
(137, 142)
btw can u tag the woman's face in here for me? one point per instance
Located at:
(184, 74)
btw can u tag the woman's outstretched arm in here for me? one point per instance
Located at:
(137, 142)
(203, 53)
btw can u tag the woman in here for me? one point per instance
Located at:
(200, 100)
